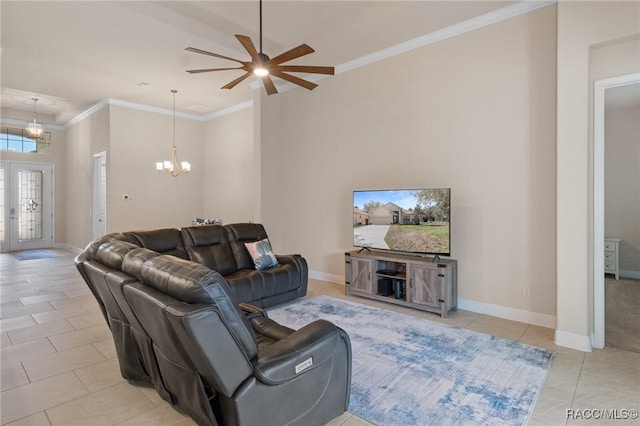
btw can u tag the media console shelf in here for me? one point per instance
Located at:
(417, 282)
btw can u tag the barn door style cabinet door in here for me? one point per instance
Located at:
(419, 282)
(359, 274)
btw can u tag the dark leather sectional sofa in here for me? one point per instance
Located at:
(221, 248)
(176, 304)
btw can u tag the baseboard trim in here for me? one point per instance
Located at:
(630, 274)
(76, 250)
(323, 276)
(573, 341)
(528, 317)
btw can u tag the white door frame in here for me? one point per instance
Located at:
(4, 242)
(599, 88)
(99, 195)
(12, 242)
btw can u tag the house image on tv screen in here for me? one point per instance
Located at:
(390, 213)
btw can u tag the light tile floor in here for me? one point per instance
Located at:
(59, 365)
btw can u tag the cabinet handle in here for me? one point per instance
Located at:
(410, 282)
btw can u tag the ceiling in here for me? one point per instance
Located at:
(73, 54)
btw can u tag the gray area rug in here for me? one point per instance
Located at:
(412, 371)
(34, 254)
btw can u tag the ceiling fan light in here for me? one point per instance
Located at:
(260, 71)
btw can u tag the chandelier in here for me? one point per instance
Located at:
(33, 127)
(173, 167)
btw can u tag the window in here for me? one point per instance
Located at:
(19, 140)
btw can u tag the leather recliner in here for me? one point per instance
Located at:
(224, 365)
(164, 241)
(222, 248)
(108, 275)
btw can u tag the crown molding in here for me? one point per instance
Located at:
(132, 105)
(147, 108)
(490, 18)
(451, 31)
(97, 107)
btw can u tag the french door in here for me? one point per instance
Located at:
(26, 215)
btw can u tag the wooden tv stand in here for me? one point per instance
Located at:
(418, 282)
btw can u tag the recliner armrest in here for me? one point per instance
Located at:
(291, 259)
(252, 311)
(269, 328)
(297, 353)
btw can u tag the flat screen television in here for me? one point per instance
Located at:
(403, 220)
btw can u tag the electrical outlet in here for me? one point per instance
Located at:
(526, 292)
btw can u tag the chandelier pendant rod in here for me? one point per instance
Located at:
(260, 26)
(174, 91)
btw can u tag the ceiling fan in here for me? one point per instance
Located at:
(265, 67)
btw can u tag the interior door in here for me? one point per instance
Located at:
(99, 194)
(28, 202)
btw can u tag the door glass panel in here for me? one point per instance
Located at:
(30, 204)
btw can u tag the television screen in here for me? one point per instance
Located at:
(406, 220)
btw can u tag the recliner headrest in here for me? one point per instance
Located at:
(113, 252)
(133, 261)
(182, 279)
(246, 231)
(161, 240)
(92, 247)
(207, 235)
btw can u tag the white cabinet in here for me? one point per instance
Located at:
(612, 256)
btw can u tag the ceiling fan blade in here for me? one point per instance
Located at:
(308, 69)
(249, 47)
(295, 80)
(233, 83)
(204, 52)
(213, 69)
(294, 53)
(268, 85)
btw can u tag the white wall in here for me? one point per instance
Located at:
(138, 139)
(581, 26)
(83, 139)
(229, 168)
(475, 113)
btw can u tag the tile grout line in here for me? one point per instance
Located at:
(575, 387)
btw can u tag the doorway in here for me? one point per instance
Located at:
(26, 220)
(99, 194)
(599, 93)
